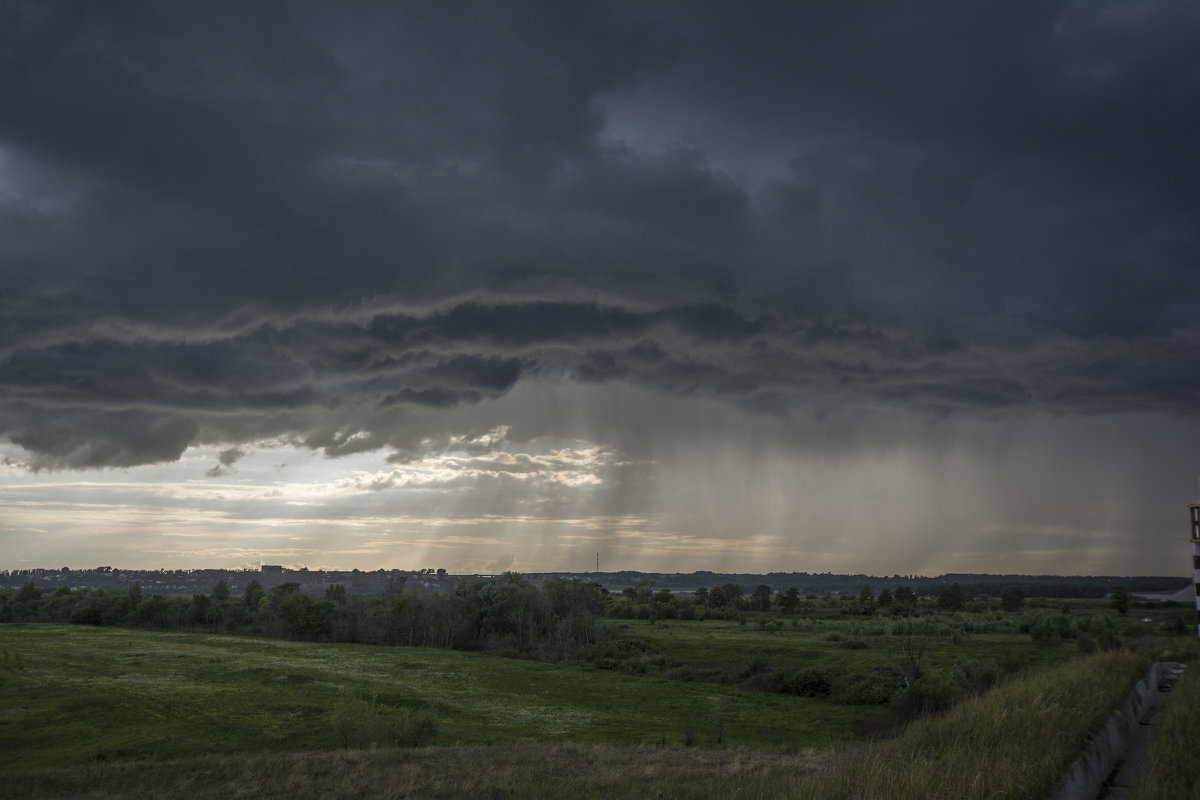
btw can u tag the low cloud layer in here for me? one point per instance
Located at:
(360, 230)
(110, 402)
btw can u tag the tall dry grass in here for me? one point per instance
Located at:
(1015, 741)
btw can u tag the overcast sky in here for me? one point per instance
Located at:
(769, 286)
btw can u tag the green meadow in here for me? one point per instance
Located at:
(78, 694)
(687, 709)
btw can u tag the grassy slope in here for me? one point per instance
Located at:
(1171, 768)
(1013, 742)
(71, 695)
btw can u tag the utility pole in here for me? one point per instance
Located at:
(1194, 508)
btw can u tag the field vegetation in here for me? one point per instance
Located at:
(826, 697)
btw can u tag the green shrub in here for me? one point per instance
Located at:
(978, 674)
(758, 665)
(765, 682)
(872, 687)
(1044, 634)
(810, 683)
(930, 693)
(362, 723)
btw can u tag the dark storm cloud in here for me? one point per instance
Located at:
(84, 437)
(220, 221)
(226, 459)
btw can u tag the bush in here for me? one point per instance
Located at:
(928, 694)
(757, 665)
(810, 683)
(978, 674)
(411, 728)
(366, 723)
(1043, 634)
(615, 653)
(863, 688)
(89, 614)
(774, 682)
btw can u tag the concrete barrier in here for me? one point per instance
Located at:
(1087, 774)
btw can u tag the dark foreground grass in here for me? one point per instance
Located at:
(1171, 768)
(71, 695)
(571, 772)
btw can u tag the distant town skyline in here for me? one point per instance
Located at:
(859, 287)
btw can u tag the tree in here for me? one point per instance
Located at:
(952, 598)
(220, 592)
(906, 651)
(294, 613)
(762, 597)
(201, 609)
(789, 601)
(866, 600)
(702, 596)
(1120, 599)
(885, 598)
(1011, 598)
(28, 593)
(253, 595)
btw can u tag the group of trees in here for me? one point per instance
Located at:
(502, 614)
(507, 613)
(726, 601)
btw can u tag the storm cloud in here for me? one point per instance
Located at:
(364, 229)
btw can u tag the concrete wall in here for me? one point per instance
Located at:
(1087, 774)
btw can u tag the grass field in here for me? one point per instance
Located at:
(1013, 743)
(75, 694)
(110, 712)
(717, 647)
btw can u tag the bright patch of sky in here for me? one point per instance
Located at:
(279, 503)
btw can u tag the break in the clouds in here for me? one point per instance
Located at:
(532, 265)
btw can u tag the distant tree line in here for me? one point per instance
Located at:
(562, 619)
(506, 614)
(728, 601)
